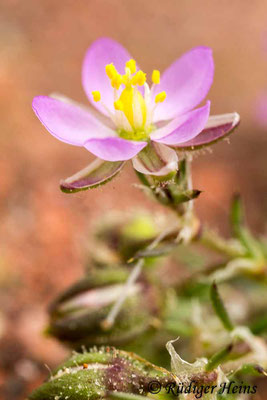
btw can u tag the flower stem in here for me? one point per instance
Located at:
(109, 321)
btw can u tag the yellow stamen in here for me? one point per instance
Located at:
(96, 95)
(156, 77)
(139, 78)
(130, 102)
(131, 64)
(160, 97)
(111, 70)
(116, 81)
(118, 105)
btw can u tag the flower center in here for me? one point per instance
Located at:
(133, 105)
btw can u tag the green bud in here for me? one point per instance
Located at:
(93, 375)
(126, 235)
(77, 316)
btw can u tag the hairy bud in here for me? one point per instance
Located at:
(93, 375)
(77, 316)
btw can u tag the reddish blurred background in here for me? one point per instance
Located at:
(43, 232)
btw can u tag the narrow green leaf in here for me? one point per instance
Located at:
(219, 308)
(142, 178)
(157, 252)
(218, 358)
(259, 326)
(252, 370)
(236, 215)
(182, 173)
(240, 231)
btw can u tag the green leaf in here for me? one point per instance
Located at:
(142, 178)
(252, 370)
(95, 174)
(181, 176)
(218, 358)
(260, 325)
(240, 230)
(219, 308)
(157, 252)
(236, 215)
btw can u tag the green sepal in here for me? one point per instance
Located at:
(95, 174)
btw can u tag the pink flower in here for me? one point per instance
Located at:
(142, 123)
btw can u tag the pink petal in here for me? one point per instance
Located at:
(183, 128)
(67, 122)
(186, 82)
(114, 148)
(156, 159)
(102, 52)
(217, 128)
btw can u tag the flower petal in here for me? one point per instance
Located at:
(156, 159)
(67, 122)
(186, 82)
(100, 117)
(217, 128)
(102, 52)
(95, 174)
(114, 148)
(183, 128)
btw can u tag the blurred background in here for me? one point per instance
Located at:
(44, 234)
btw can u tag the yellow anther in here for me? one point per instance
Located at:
(131, 64)
(160, 97)
(156, 77)
(111, 70)
(116, 81)
(96, 95)
(139, 78)
(118, 105)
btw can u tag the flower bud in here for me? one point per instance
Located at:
(93, 375)
(125, 235)
(77, 316)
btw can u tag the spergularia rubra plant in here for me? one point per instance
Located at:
(123, 299)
